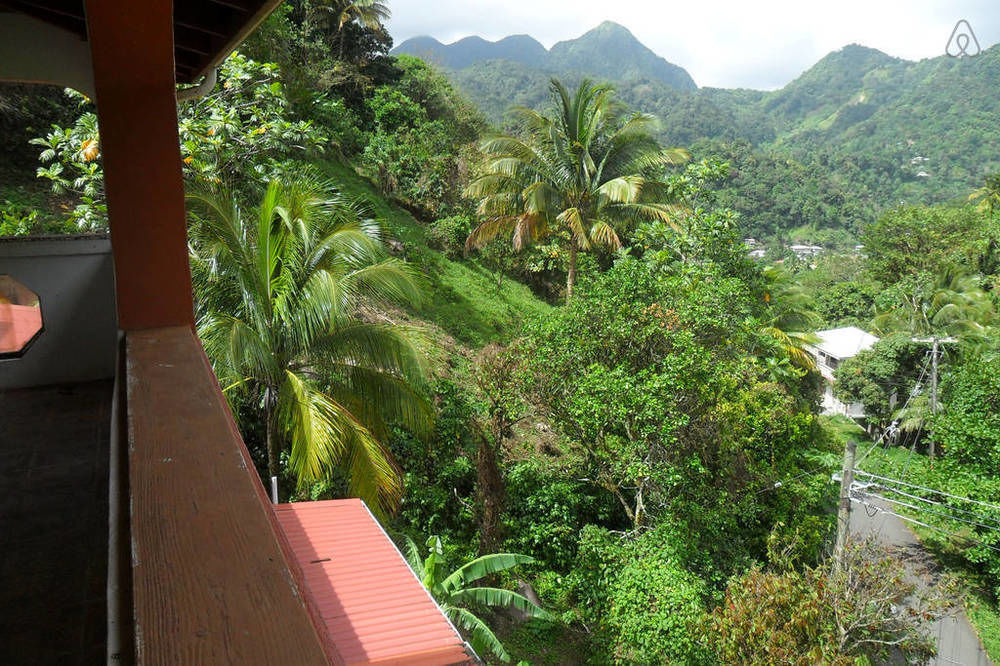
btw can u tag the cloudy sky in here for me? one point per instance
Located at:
(727, 43)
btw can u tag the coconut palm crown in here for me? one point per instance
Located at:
(578, 173)
(790, 318)
(955, 305)
(281, 291)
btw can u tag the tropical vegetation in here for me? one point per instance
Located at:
(284, 289)
(455, 592)
(608, 384)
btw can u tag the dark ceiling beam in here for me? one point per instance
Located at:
(205, 31)
(245, 7)
(57, 16)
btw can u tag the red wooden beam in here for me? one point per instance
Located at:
(132, 50)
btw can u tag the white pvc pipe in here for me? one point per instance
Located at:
(201, 89)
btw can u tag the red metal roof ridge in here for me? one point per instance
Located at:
(342, 622)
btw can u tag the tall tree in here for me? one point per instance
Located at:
(791, 318)
(955, 305)
(336, 14)
(280, 291)
(576, 174)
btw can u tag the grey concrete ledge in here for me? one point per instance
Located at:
(49, 246)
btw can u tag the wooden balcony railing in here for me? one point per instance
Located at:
(210, 580)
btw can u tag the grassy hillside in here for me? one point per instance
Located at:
(464, 299)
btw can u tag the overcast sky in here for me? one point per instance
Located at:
(726, 43)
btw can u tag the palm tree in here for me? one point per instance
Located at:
(790, 319)
(578, 173)
(988, 195)
(280, 288)
(372, 14)
(954, 306)
(453, 591)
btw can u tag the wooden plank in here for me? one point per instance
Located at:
(132, 52)
(211, 584)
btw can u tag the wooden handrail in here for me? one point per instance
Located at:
(211, 582)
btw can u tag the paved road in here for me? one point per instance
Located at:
(957, 642)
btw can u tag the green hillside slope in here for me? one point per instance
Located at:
(464, 299)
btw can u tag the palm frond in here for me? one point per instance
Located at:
(603, 234)
(324, 435)
(412, 554)
(482, 567)
(488, 230)
(481, 637)
(498, 598)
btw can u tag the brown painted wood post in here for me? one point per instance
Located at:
(132, 50)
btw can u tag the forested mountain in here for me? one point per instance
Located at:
(858, 132)
(470, 50)
(607, 51)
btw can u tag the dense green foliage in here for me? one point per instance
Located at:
(968, 428)
(653, 446)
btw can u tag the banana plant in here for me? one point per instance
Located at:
(455, 593)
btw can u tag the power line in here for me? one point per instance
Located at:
(879, 509)
(994, 507)
(932, 502)
(778, 484)
(993, 528)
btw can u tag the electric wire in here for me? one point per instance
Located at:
(942, 514)
(932, 502)
(923, 524)
(942, 493)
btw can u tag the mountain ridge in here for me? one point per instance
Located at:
(609, 49)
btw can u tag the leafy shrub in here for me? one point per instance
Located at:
(448, 234)
(237, 135)
(865, 611)
(16, 220)
(547, 511)
(638, 597)
(440, 474)
(968, 429)
(654, 607)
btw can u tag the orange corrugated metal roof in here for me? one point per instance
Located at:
(374, 608)
(19, 324)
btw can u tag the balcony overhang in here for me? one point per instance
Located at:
(205, 32)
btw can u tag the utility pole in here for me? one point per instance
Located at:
(934, 386)
(844, 509)
(935, 352)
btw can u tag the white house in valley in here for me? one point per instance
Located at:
(835, 346)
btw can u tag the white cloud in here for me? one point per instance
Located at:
(725, 43)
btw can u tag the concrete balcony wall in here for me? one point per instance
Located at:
(74, 279)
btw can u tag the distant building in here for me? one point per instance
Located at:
(805, 251)
(750, 242)
(835, 346)
(757, 254)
